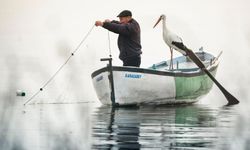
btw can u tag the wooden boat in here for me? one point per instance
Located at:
(158, 84)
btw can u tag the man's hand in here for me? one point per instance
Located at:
(107, 20)
(98, 23)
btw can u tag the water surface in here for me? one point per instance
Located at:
(163, 127)
(84, 126)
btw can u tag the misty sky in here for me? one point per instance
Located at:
(36, 36)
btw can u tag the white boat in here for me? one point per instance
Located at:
(186, 83)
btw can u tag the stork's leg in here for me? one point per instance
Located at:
(171, 59)
(172, 67)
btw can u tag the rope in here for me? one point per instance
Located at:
(61, 67)
(110, 55)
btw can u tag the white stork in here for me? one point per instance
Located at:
(171, 39)
(175, 42)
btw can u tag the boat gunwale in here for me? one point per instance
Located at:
(154, 72)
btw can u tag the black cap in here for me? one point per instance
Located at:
(125, 13)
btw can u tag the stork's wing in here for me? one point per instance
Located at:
(175, 38)
(177, 44)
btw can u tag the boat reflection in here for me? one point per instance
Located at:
(157, 127)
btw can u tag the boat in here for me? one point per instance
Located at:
(185, 83)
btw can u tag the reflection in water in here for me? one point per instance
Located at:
(164, 127)
(79, 127)
(117, 128)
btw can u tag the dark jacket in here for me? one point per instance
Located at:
(129, 40)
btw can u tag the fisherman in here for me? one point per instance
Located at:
(129, 40)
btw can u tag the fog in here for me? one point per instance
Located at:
(37, 36)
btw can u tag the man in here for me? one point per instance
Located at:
(129, 40)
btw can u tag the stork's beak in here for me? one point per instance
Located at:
(157, 22)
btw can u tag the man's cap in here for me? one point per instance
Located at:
(125, 13)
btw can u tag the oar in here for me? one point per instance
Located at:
(230, 98)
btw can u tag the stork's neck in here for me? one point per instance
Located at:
(164, 27)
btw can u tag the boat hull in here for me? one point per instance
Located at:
(133, 86)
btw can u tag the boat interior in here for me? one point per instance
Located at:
(184, 64)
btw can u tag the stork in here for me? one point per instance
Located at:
(171, 39)
(175, 42)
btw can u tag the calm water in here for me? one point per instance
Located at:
(90, 126)
(163, 127)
